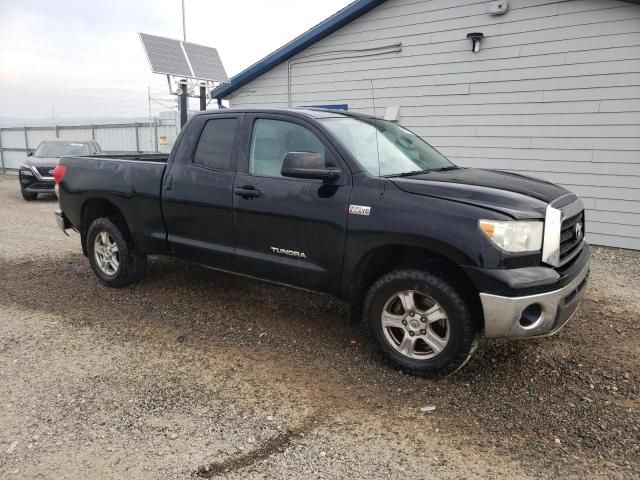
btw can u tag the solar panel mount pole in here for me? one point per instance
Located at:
(184, 98)
(203, 98)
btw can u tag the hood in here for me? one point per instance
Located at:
(42, 161)
(508, 193)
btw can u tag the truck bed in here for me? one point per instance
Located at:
(130, 182)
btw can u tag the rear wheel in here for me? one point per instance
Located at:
(112, 255)
(420, 322)
(28, 196)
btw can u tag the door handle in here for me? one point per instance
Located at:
(169, 185)
(247, 192)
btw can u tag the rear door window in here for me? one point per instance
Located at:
(216, 143)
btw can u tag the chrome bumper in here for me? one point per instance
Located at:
(61, 221)
(503, 316)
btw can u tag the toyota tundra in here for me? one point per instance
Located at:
(430, 256)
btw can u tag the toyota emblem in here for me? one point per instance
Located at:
(578, 230)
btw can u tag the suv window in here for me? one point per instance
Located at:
(215, 144)
(271, 140)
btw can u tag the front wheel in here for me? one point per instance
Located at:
(28, 196)
(112, 255)
(420, 322)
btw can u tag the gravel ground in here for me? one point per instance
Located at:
(199, 374)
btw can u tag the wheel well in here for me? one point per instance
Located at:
(393, 257)
(100, 208)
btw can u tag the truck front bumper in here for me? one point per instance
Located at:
(540, 313)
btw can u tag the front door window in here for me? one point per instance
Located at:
(273, 139)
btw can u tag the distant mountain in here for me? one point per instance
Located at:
(47, 122)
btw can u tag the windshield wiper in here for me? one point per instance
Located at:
(445, 169)
(407, 174)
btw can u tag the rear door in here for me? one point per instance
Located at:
(198, 197)
(288, 230)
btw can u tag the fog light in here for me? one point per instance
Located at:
(531, 315)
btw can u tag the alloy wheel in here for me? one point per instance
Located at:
(415, 325)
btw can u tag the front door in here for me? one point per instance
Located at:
(288, 230)
(198, 197)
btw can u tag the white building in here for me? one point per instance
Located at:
(553, 92)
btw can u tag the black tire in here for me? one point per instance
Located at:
(131, 263)
(28, 196)
(462, 336)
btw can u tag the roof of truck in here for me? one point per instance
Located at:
(312, 112)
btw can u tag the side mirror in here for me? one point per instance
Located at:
(30, 153)
(307, 165)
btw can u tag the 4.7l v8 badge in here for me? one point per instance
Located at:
(359, 210)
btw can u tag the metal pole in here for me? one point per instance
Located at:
(203, 98)
(184, 24)
(149, 101)
(155, 133)
(183, 103)
(1, 154)
(55, 129)
(93, 132)
(135, 125)
(26, 141)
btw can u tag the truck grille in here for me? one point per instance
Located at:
(44, 171)
(571, 237)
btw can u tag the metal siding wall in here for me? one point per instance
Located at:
(36, 136)
(74, 133)
(12, 160)
(13, 139)
(117, 139)
(112, 138)
(553, 93)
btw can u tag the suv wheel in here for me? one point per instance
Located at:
(112, 255)
(420, 322)
(28, 196)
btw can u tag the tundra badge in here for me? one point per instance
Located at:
(289, 253)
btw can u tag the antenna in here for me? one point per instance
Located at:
(375, 126)
(184, 24)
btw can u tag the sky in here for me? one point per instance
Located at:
(83, 58)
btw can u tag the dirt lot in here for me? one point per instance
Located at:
(195, 373)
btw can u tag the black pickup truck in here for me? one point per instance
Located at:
(429, 255)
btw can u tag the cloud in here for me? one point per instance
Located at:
(85, 58)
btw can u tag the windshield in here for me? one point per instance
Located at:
(399, 150)
(61, 149)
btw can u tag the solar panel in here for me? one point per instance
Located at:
(182, 59)
(205, 63)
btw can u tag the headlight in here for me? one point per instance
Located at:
(514, 236)
(26, 172)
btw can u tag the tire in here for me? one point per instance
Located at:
(434, 336)
(117, 263)
(28, 196)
